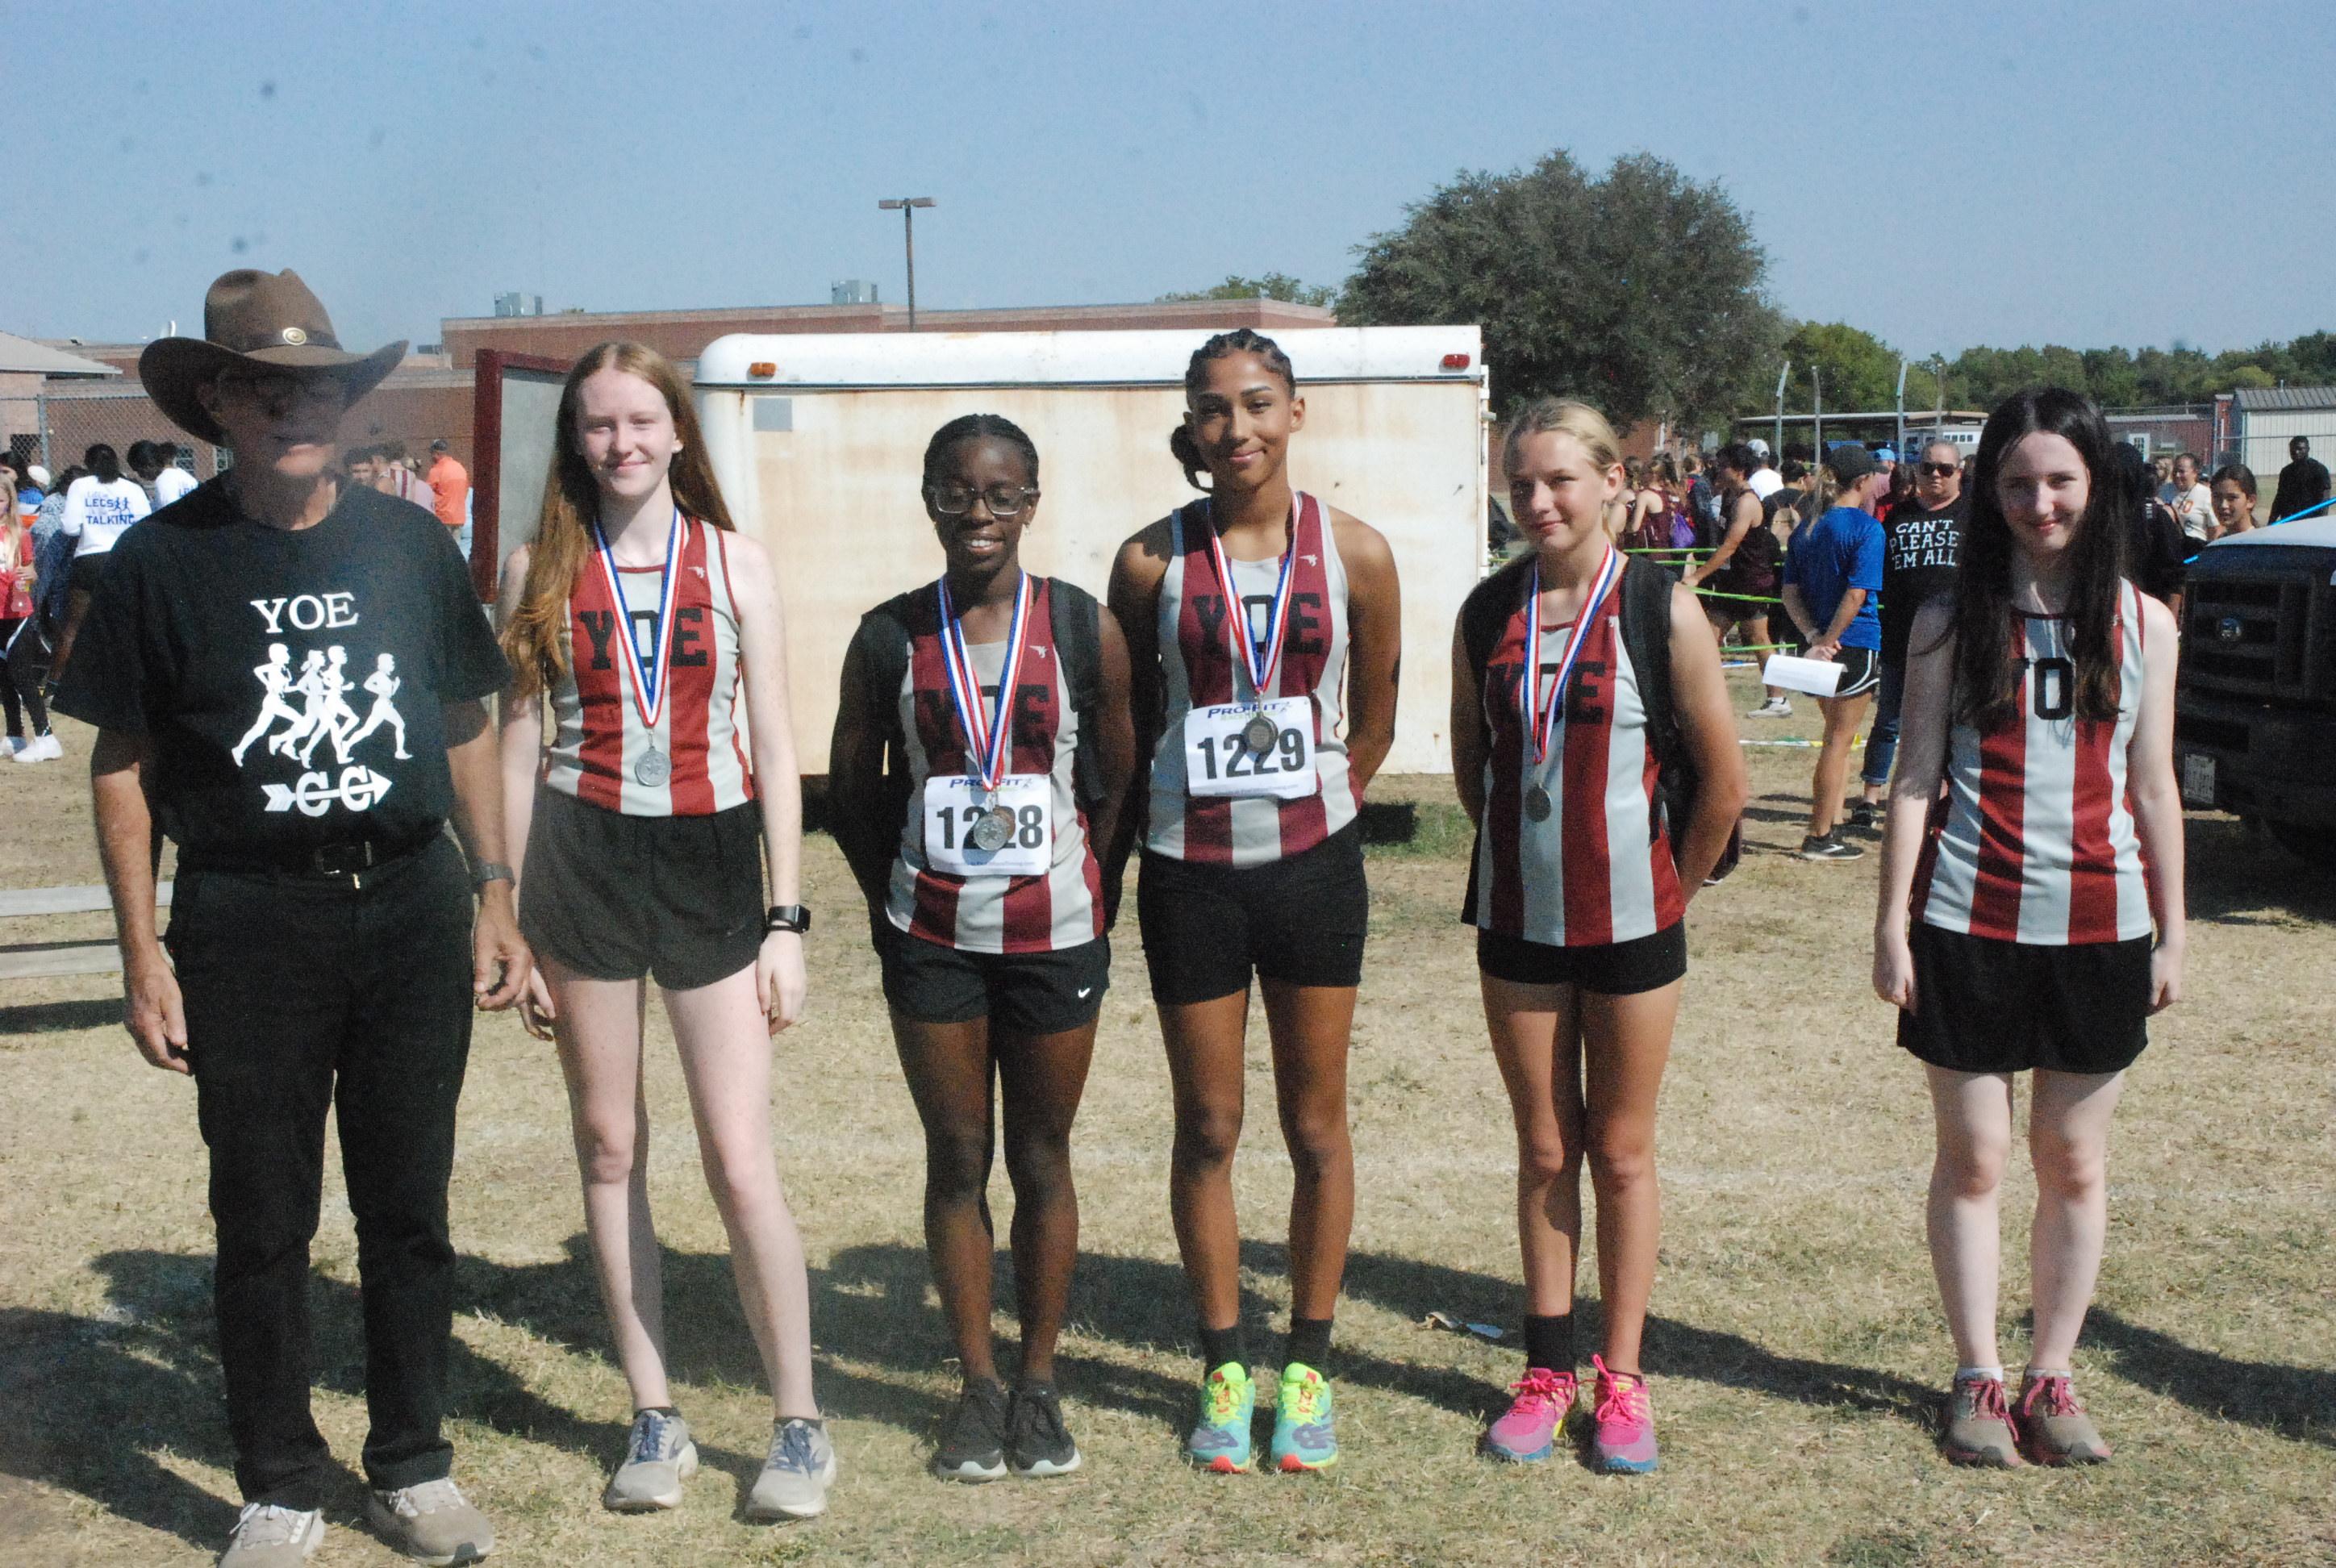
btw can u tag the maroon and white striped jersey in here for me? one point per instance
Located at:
(1199, 668)
(1598, 869)
(600, 739)
(994, 914)
(2034, 840)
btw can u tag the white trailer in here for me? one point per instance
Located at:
(819, 442)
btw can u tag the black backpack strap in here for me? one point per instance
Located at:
(1488, 607)
(1078, 647)
(1647, 636)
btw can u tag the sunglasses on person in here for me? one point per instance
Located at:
(1004, 501)
(1940, 469)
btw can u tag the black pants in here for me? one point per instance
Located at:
(26, 652)
(303, 995)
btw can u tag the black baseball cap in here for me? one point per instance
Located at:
(1849, 462)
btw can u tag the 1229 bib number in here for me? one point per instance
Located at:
(1221, 761)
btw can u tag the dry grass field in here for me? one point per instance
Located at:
(1796, 1349)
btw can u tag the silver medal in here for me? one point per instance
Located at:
(993, 829)
(1259, 733)
(654, 768)
(1537, 804)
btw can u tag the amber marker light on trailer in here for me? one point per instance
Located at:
(761, 370)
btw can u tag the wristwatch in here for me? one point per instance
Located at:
(486, 871)
(786, 918)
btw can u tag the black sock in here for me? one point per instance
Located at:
(1549, 1342)
(1219, 1346)
(667, 1411)
(1310, 1344)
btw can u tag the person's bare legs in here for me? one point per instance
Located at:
(1311, 1026)
(1625, 1043)
(1971, 1115)
(1043, 1078)
(2067, 1142)
(951, 1073)
(725, 1041)
(598, 1031)
(1535, 1046)
(1204, 1041)
(1841, 716)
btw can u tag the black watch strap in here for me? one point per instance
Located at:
(485, 871)
(787, 918)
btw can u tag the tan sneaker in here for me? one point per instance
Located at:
(659, 1458)
(268, 1536)
(797, 1475)
(1978, 1425)
(2053, 1426)
(431, 1522)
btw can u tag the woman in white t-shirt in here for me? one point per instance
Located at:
(100, 507)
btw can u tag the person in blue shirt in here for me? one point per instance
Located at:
(1833, 586)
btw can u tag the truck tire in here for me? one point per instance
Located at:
(2315, 846)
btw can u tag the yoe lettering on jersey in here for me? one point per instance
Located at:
(309, 611)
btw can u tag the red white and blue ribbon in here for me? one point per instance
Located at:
(986, 733)
(648, 676)
(1260, 661)
(1545, 710)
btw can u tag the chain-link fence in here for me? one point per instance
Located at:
(55, 427)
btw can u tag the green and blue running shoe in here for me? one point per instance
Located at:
(1302, 1435)
(1220, 1439)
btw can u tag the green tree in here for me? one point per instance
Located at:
(1639, 291)
(1855, 369)
(1272, 286)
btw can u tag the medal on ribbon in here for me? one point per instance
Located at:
(988, 748)
(648, 674)
(1540, 711)
(1261, 660)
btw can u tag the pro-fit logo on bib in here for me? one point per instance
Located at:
(303, 710)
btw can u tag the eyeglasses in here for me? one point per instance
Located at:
(1941, 470)
(279, 395)
(1003, 500)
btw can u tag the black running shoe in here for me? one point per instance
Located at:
(1865, 816)
(1829, 848)
(1038, 1444)
(973, 1443)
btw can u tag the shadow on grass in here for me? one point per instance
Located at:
(55, 1018)
(2294, 1402)
(2236, 876)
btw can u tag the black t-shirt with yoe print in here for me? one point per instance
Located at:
(289, 684)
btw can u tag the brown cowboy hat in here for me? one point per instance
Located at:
(260, 321)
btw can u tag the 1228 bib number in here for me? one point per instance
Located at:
(953, 814)
(1221, 760)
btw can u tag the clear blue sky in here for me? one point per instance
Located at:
(1943, 174)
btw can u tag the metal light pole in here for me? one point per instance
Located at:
(1899, 447)
(907, 207)
(1778, 454)
(1816, 391)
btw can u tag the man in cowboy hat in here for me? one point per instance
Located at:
(323, 949)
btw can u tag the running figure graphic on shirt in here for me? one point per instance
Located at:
(384, 683)
(322, 686)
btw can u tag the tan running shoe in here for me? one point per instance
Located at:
(1978, 1425)
(2053, 1426)
(268, 1536)
(796, 1475)
(659, 1458)
(431, 1522)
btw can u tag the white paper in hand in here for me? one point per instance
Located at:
(1817, 676)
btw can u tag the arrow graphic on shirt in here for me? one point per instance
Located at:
(360, 789)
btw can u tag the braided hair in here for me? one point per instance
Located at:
(968, 427)
(1241, 340)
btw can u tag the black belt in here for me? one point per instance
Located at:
(352, 861)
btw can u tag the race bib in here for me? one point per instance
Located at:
(1019, 843)
(1228, 751)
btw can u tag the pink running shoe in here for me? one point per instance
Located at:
(2052, 1425)
(1529, 1430)
(1622, 1439)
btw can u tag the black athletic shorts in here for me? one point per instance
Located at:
(1861, 670)
(1027, 993)
(1988, 1006)
(1299, 921)
(86, 572)
(1645, 963)
(616, 897)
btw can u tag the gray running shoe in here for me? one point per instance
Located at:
(1831, 847)
(1037, 1443)
(795, 1478)
(431, 1522)
(659, 1458)
(973, 1443)
(268, 1536)
(1978, 1425)
(2053, 1426)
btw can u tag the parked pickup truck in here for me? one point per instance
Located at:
(2254, 728)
